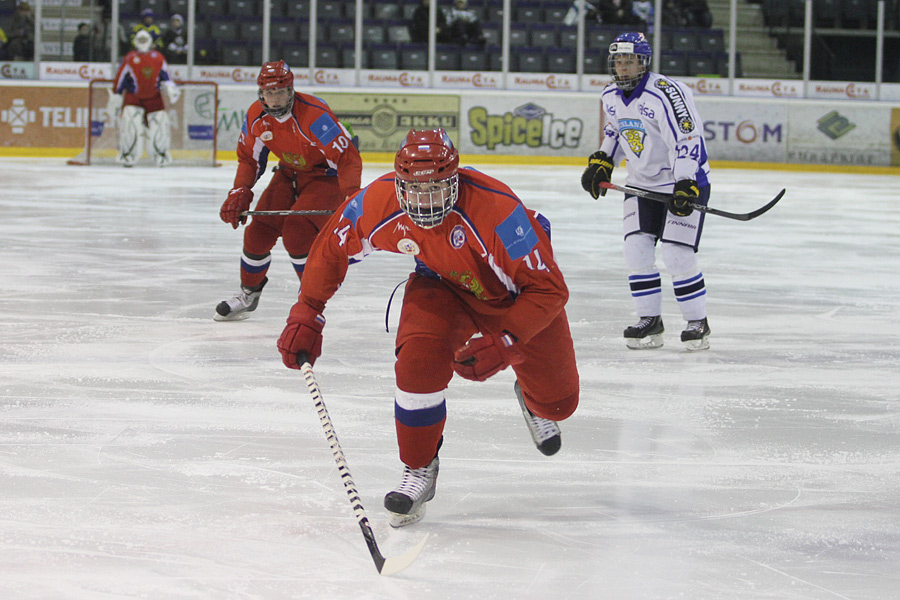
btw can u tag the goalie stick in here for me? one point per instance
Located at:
(699, 207)
(287, 212)
(385, 565)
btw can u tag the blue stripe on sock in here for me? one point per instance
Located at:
(424, 417)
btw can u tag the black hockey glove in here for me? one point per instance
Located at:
(599, 170)
(685, 192)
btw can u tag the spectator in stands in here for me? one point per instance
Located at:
(644, 11)
(418, 27)
(21, 34)
(3, 42)
(616, 12)
(175, 41)
(147, 24)
(671, 14)
(464, 25)
(696, 13)
(82, 45)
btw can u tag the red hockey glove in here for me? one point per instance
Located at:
(486, 356)
(685, 192)
(238, 201)
(303, 333)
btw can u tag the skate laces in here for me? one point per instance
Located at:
(415, 482)
(645, 322)
(543, 429)
(695, 325)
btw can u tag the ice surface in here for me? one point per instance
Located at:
(147, 451)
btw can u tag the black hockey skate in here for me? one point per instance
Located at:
(545, 433)
(236, 309)
(645, 334)
(696, 335)
(407, 503)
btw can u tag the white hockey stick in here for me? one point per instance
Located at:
(385, 565)
(287, 212)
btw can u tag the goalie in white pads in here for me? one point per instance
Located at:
(136, 92)
(652, 123)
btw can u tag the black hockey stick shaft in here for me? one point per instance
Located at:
(385, 566)
(287, 212)
(699, 207)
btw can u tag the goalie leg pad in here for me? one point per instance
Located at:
(130, 139)
(160, 136)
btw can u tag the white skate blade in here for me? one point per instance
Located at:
(398, 520)
(647, 343)
(238, 317)
(696, 345)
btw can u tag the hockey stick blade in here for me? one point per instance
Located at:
(286, 212)
(385, 565)
(699, 207)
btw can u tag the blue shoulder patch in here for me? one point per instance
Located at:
(354, 209)
(517, 234)
(326, 129)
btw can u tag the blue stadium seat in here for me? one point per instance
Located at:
(383, 56)
(446, 58)
(529, 60)
(543, 35)
(241, 8)
(414, 57)
(473, 60)
(560, 60)
(673, 64)
(328, 56)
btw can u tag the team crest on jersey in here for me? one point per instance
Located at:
(679, 106)
(266, 136)
(634, 133)
(407, 246)
(147, 72)
(295, 159)
(457, 237)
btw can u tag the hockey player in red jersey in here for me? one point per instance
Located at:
(319, 167)
(141, 76)
(483, 264)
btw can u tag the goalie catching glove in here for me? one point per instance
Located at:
(599, 170)
(302, 335)
(486, 356)
(685, 192)
(238, 201)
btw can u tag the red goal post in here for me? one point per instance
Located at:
(193, 122)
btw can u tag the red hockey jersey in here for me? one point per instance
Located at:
(490, 249)
(310, 139)
(142, 74)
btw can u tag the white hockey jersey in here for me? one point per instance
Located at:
(657, 130)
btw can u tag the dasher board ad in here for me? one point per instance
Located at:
(752, 131)
(529, 125)
(832, 133)
(382, 120)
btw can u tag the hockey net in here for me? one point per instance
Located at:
(192, 120)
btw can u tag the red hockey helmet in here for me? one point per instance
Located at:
(426, 178)
(276, 76)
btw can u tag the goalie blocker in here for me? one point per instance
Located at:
(188, 124)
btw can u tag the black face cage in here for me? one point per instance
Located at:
(427, 203)
(628, 83)
(277, 112)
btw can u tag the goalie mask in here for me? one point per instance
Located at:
(629, 60)
(276, 88)
(143, 40)
(426, 179)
